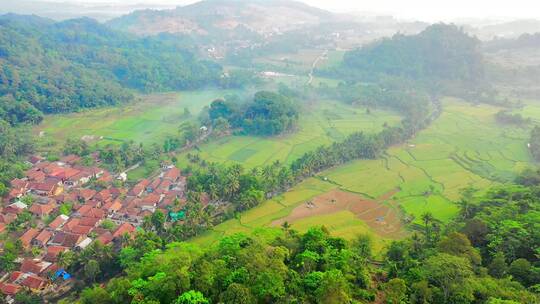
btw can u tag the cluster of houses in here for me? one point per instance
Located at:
(46, 191)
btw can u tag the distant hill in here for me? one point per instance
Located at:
(439, 52)
(511, 29)
(59, 10)
(207, 17)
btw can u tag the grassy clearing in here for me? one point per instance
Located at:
(321, 124)
(149, 120)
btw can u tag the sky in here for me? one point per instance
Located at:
(425, 10)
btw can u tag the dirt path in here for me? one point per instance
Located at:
(314, 66)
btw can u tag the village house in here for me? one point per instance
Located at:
(27, 237)
(42, 238)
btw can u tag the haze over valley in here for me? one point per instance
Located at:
(235, 151)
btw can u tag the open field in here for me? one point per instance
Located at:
(322, 123)
(463, 148)
(149, 120)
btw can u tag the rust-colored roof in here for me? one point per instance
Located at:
(86, 194)
(59, 221)
(112, 206)
(42, 209)
(81, 229)
(19, 183)
(31, 266)
(28, 236)
(173, 174)
(15, 276)
(93, 212)
(44, 236)
(70, 159)
(70, 224)
(89, 221)
(9, 289)
(36, 176)
(151, 199)
(66, 239)
(123, 229)
(34, 282)
(105, 238)
(53, 252)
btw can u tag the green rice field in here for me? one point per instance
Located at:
(149, 120)
(322, 123)
(463, 148)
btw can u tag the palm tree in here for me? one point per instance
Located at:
(65, 259)
(428, 219)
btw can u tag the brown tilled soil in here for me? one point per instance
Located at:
(382, 218)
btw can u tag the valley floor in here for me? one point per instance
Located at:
(464, 148)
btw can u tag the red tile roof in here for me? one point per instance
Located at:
(15, 276)
(28, 236)
(34, 282)
(32, 266)
(42, 209)
(53, 252)
(123, 229)
(89, 221)
(173, 174)
(9, 289)
(43, 237)
(58, 221)
(113, 206)
(105, 238)
(81, 229)
(66, 239)
(36, 176)
(86, 194)
(70, 159)
(93, 212)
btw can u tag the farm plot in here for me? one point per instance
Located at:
(149, 120)
(323, 123)
(463, 148)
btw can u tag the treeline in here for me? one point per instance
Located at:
(267, 114)
(534, 143)
(506, 117)
(488, 255)
(14, 143)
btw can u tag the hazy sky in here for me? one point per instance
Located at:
(427, 10)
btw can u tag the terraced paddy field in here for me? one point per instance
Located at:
(464, 148)
(322, 123)
(149, 120)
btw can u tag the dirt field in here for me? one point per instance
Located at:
(379, 214)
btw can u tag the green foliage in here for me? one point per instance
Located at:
(440, 53)
(535, 143)
(269, 114)
(191, 297)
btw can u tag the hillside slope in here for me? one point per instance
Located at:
(207, 17)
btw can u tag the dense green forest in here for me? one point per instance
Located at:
(487, 255)
(442, 58)
(267, 114)
(75, 64)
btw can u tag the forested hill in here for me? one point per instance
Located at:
(443, 52)
(524, 41)
(65, 66)
(219, 17)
